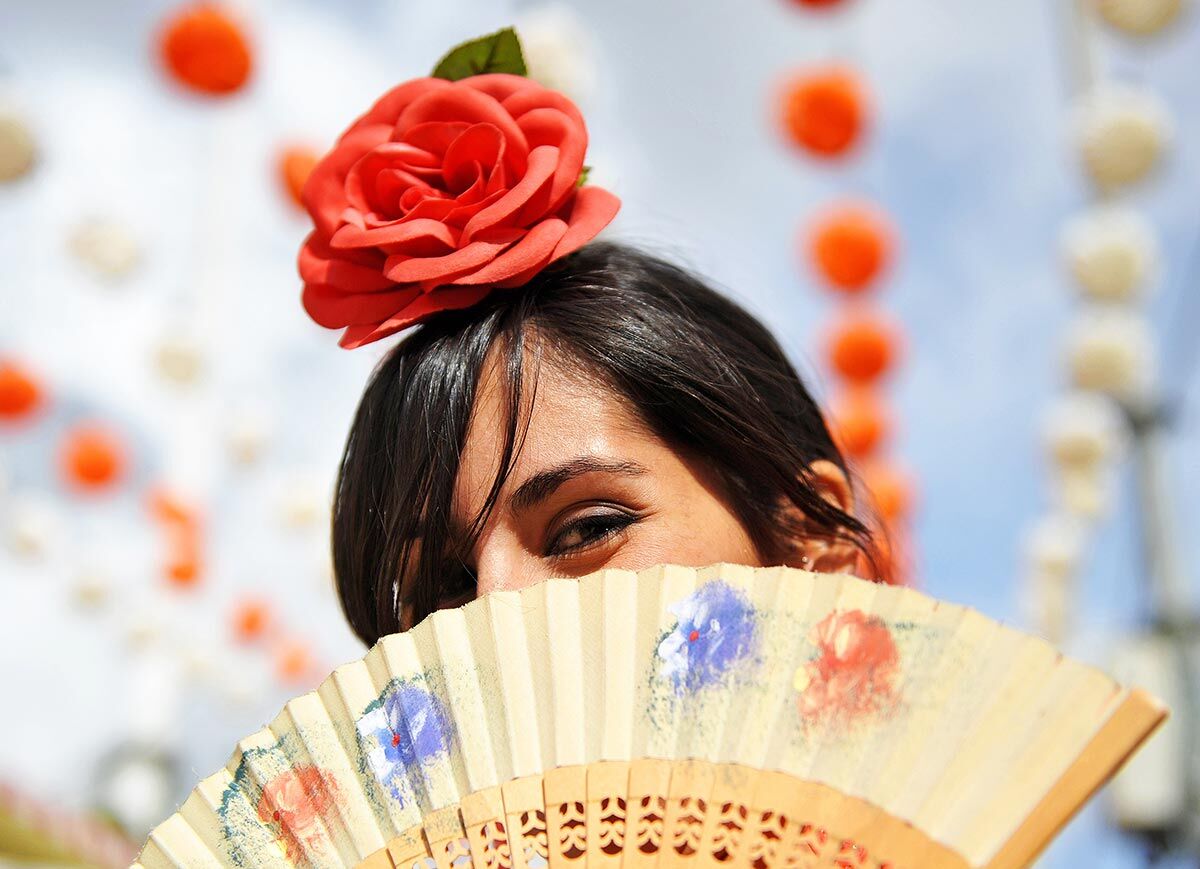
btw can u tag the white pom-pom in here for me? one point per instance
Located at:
(1139, 17)
(246, 438)
(92, 589)
(1122, 133)
(1112, 350)
(143, 630)
(326, 573)
(303, 504)
(179, 359)
(558, 52)
(1112, 253)
(1046, 600)
(198, 663)
(1054, 545)
(106, 247)
(1083, 492)
(32, 526)
(17, 150)
(1085, 429)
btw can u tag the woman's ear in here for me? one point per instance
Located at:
(822, 553)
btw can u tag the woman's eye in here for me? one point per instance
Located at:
(588, 531)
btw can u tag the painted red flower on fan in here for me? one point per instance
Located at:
(441, 192)
(853, 672)
(293, 803)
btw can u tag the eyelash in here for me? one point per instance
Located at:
(595, 530)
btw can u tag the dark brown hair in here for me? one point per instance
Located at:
(702, 373)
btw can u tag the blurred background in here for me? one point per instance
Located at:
(974, 227)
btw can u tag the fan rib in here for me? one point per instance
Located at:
(1134, 720)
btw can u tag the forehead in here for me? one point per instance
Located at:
(566, 413)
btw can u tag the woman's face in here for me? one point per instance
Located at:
(591, 488)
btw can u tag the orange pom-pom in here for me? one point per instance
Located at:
(205, 49)
(295, 165)
(859, 422)
(863, 347)
(819, 4)
(183, 570)
(92, 457)
(170, 509)
(250, 620)
(293, 662)
(890, 489)
(893, 556)
(20, 394)
(825, 111)
(849, 246)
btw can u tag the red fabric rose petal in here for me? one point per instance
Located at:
(324, 193)
(333, 309)
(552, 127)
(462, 210)
(549, 118)
(395, 234)
(425, 305)
(319, 265)
(593, 209)
(430, 207)
(435, 137)
(500, 85)
(379, 177)
(389, 106)
(542, 162)
(404, 269)
(457, 105)
(531, 252)
(481, 145)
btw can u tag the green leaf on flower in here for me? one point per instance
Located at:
(497, 52)
(583, 176)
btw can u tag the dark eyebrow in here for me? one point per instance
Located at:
(543, 484)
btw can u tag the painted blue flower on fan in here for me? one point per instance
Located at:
(715, 630)
(406, 728)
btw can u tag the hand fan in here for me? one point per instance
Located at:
(723, 716)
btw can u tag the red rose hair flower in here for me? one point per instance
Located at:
(440, 193)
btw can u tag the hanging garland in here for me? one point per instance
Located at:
(849, 246)
(1111, 255)
(94, 459)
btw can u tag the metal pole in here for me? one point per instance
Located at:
(1171, 608)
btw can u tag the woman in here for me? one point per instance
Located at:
(564, 406)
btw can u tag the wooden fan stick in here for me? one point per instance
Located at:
(1134, 721)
